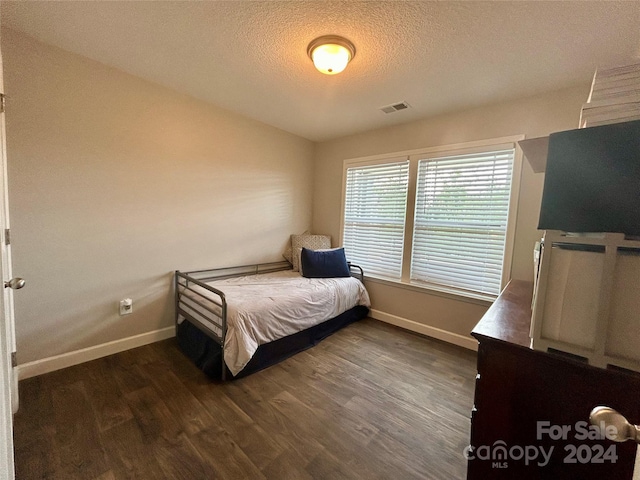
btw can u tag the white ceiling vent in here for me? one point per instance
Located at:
(395, 107)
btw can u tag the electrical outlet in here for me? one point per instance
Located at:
(126, 306)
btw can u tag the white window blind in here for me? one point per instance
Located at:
(374, 216)
(460, 226)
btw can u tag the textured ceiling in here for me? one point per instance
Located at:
(250, 57)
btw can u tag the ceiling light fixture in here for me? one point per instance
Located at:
(331, 53)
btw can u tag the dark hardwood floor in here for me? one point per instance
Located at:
(370, 402)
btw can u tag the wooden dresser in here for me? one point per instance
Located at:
(529, 403)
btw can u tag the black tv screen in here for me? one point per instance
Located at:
(592, 180)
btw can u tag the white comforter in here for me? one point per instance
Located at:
(266, 307)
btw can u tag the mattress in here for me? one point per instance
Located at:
(266, 307)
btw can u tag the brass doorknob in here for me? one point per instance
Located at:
(15, 283)
(622, 430)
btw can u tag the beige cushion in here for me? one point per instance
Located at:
(314, 242)
(288, 253)
(288, 250)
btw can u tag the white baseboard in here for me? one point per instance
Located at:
(449, 337)
(50, 364)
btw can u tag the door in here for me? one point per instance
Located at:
(8, 376)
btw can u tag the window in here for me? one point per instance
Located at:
(437, 219)
(374, 216)
(462, 206)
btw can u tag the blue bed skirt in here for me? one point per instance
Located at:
(206, 353)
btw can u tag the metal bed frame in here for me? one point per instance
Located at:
(211, 322)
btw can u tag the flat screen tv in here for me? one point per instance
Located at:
(592, 180)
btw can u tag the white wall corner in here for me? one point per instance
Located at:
(50, 364)
(433, 332)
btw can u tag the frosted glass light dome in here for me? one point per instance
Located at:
(331, 54)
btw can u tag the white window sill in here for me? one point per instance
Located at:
(440, 291)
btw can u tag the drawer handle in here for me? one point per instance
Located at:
(610, 418)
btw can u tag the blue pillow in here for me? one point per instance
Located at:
(324, 263)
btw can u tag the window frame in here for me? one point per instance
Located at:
(414, 156)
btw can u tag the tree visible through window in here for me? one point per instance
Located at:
(462, 206)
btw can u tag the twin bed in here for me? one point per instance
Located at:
(235, 321)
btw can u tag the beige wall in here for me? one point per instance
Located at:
(533, 117)
(115, 182)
